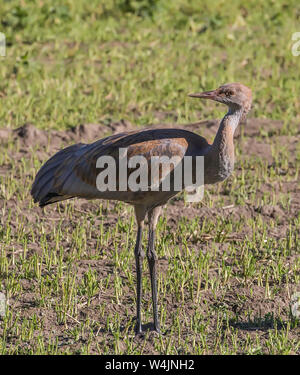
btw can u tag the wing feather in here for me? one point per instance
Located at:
(73, 172)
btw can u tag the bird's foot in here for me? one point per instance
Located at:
(138, 329)
(150, 327)
(140, 332)
(158, 331)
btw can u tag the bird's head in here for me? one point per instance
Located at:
(234, 95)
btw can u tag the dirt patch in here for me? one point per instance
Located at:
(29, 135)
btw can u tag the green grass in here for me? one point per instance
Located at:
(73, 62)
(225, 280)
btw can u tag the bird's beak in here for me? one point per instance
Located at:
(205, 95)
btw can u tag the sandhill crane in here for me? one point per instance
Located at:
(72, 172)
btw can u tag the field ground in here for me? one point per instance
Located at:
(229, 265)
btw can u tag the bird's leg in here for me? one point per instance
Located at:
(152, 262)
(139, 257)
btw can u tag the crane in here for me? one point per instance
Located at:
(74, 172)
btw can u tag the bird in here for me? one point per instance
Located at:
(73, 172)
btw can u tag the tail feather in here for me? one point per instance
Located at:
(53, 198)
(46, 189)
(43, 186)
(43, 175)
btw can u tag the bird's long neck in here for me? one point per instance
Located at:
(228, 125)
(222, 149)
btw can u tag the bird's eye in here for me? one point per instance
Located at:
(228, 93)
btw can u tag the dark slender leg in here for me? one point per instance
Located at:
(152, 262)
(139, 256)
